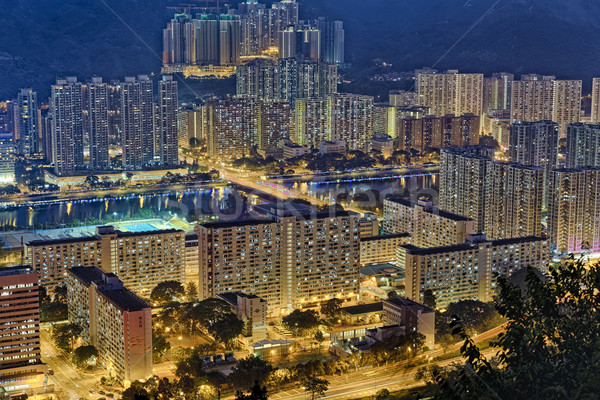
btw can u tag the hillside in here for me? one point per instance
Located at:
(42, 39)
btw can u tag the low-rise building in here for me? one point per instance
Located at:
(132, 177)
(416, 317)
(382, 144)
(381, 249)
(275, 152)
(114, 320)
(328, 147)
(363, 314)
(291, 150)
(252, 310)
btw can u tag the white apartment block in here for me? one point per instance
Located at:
(466, 271)
(291, 259)
(428, 226)
(141, 260)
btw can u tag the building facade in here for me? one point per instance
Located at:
(114, 320)
(21, 367)
(427, 225)
(289, 259)
(583, 145)
(142, 260)
(466, 271)
(574, 210)
(382, 248)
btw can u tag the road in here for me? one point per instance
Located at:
(68, 381)
(368, 381)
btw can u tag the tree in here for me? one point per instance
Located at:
(383, 394)
(226, 328)
(64, 335)
(83, 354)
(550, 347)
(256, 393)
(160, 346)
(250, 370)
(314, 386)
(60, 294)
(429, 298)
(331, 308)
(319, 337)
(92, 181)
(301, 322)
(165, 292)
(191, 292)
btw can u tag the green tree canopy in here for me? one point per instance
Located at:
(257, 392)
(250, 370)
(550, 349)
(429, 298)
(331, 308)
(315, 386)
(64, 335)
(301, 322)
(165, 292)
(83, 354)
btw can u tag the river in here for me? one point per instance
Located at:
(200, 202)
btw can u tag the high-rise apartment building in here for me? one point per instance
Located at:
(233, 127)
(229, 40)
(352, 119)
(451, 92)
(7, 157)
(462, 178)
(583, 145)
(467, 271)
(166, 142)
(532, 99)
(427, 225)
(513, 200)
(497, 91)
(332, 40)
(288, 79)
(142, 260)
(137, 122)
(595, 118)
(21, 367)
(566, 108)
(540, 98)
(534, 143)
(574, 210)
(67, 126)
(114, 320)
(429, 132)
(276, 123)
(27, 123)
(292, 259)
(313, 121)
(97, 107)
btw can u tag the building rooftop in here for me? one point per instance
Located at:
(124, 299)
(87, 274)
(66, 240)
(412, 249)
(231, 297)
(400, 301)
(17, 270)
(429, 209)
(384, 237)
(363, 308)
(381, 269)
(231, 224)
